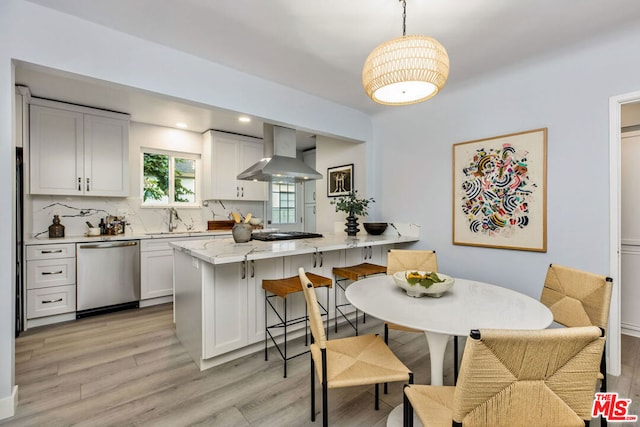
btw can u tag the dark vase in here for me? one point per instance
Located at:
(352, 225)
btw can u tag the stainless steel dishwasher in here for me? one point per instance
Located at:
(108, 276)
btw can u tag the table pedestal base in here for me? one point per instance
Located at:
(437, 346)
(395, 418)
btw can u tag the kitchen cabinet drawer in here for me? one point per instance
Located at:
(155, 245)
(50, 301)
(51, 272)
(64, 250)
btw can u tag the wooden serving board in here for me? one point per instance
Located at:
(226, 225)
(220, 225)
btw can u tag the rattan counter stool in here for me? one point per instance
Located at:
(281, 288)
(353, 273)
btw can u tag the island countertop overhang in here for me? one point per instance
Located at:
(225, 251)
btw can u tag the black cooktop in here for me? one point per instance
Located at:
(284, 235)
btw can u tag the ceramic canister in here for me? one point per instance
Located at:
(241, 232)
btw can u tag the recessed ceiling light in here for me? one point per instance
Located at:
(244, 119)
(181, 125)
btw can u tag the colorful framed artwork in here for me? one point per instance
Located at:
(500, 192)
(339, 180)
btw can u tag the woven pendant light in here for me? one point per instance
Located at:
(405, 70)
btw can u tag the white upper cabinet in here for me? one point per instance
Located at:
(224, 157)
(78, 150)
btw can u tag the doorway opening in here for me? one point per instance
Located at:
(615, 179)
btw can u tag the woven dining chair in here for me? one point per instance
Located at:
(407, 259)
(347, 362)
(422, 260)
(516, 378)
(579, 298)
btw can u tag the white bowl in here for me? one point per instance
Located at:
(255, 221)
(94, 231)
(436, 290)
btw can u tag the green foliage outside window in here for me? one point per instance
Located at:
(157, 183)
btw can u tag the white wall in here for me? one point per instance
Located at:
(569, 94)
(331, 152)
(35, 34)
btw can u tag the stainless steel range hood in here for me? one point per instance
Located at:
(279, 162)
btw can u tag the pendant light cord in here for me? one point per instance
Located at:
(404, 17)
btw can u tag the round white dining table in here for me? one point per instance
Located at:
(467, 305)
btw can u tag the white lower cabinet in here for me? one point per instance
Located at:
(156, 269)
(257, 271)
(320, 263)
(51, 280)
(225, 322)
(369, 254)
(49, 301)
(220, 308)
(237, 299)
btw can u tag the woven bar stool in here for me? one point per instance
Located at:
(353, 273)
(281, 288)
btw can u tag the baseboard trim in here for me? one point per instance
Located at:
(9, 404)
(631, 330)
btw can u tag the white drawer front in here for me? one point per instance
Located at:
(64, 250)
(50, 301)
(51, 272)
(155, 245)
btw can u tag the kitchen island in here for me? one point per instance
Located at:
(219, 302)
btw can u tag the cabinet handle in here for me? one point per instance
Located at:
(321, 259)
(253, 269)
(314, 210)
(51, 272)
(237, 191)
(243, 275)
(87, 184)
(49, 251)
(242, 189)
(315, 259)
(370, 252)
(79, 184)
(49, 301)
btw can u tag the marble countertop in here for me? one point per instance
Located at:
(45, 240)
(225, 251)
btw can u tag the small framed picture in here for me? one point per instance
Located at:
(339, 180)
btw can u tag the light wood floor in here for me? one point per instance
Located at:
(128, 368)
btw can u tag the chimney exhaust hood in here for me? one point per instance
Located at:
(280, 163)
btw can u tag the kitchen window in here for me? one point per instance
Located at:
(170, 178)
(283, 203)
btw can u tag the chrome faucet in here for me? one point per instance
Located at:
(173, 214)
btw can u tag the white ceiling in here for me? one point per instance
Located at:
(319, 46)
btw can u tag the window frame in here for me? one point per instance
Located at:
(173, 155)
(299, 210)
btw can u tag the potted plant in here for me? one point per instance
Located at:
(353, 207)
